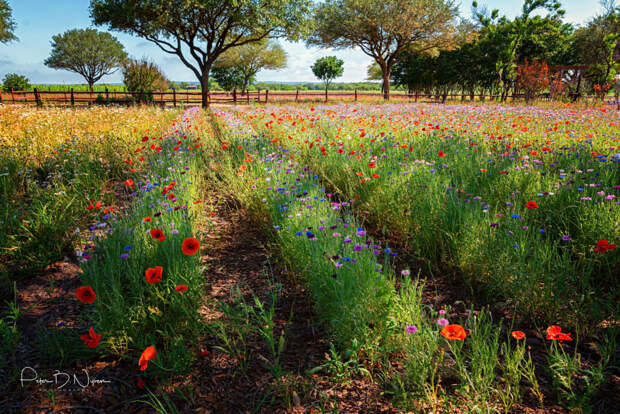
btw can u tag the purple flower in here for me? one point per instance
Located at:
(411, 329)
(566, 238)
(405, 272)
(125, 256)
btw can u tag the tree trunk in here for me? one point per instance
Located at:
(326, 86)
(204, 83)
(246, 82)
(386, 83)
(91, 85)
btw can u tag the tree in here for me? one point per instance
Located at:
(327, 69)
(88, 52)
(199, 31)
(144, 77)
(505, 38)
(7, 25)
(532, 78)
(13, 81)
(384, 30)
(251, 58)
(229, 77)
(598, 43)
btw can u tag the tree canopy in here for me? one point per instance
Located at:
(7, 24)
(199, 31)
(386, 30)
(88, 52)
(249, 59)
(598, 43)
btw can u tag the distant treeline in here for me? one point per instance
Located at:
(340, 86)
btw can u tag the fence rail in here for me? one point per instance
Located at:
(174, 98)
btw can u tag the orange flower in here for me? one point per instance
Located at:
(181, 288)
(147, 219)
(453, 332)
(555, 333)
(153, 274)
(190, 246)
(148, 354)
(531, 205)
(158, 235)
(92, 339)
(518, 335)
(85, 294)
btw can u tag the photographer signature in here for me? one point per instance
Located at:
(60, 379)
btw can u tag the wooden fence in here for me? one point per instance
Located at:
(174, 98)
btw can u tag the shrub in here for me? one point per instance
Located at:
(15, 82)
(144, 77)
(533, 78)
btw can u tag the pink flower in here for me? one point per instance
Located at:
(442, 322)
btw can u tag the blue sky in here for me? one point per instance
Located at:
(38, 20)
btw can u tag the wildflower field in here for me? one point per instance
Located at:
(328, 258)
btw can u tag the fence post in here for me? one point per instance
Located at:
(258, 96)
(174, 97)
(247, 94)
(0, 97)
(72, 98)
(12, 96)
(266, 95)
(107, 94)
(356, 95)
(297, 95)
(235, 95)
(37, 97)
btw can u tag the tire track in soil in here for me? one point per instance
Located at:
(236, 255)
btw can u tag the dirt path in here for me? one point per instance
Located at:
(237, 256)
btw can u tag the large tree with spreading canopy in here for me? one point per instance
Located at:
(199, 31)
(87, 52)
(385, 30)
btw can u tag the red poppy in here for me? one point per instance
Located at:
(441, 153)
(518, 335)
(85, 294)
(204, 352)
(453, 332)
(148, 354)
(181, 288)
(129, 183)
(603, 246)
(555, 333)
(92, 339)
(90, 207)
(147, 219)
(190, 246)
(153, 274)
(140, 384)
(158, 235)
(531, 205)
